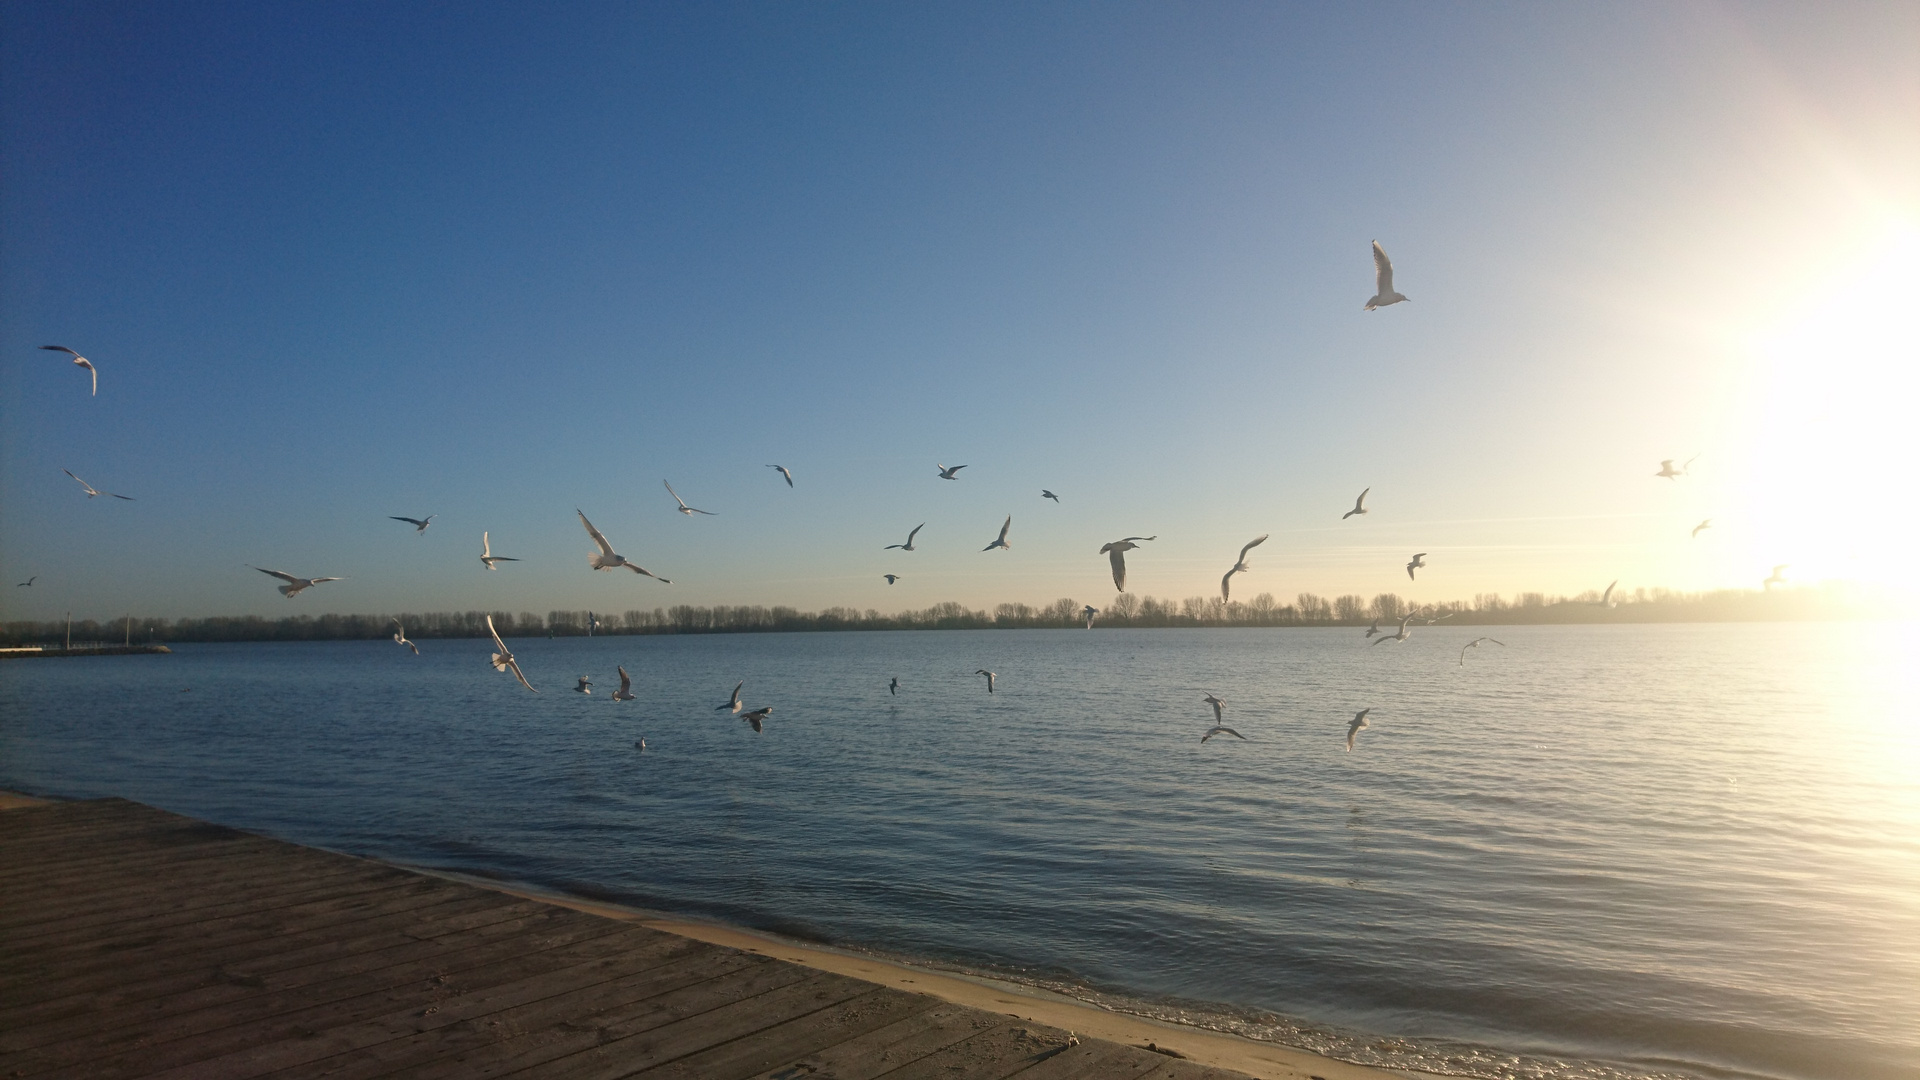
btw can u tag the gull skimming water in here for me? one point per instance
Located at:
(990, 678)
(1474, 644)
(1353, 727)
(625, 693)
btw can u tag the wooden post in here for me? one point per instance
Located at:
(129, 641)
(68, 647)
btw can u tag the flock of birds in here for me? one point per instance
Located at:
(604, 557)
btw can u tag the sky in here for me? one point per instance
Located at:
(497, 263)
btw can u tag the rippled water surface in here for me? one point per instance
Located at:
(1599, 851)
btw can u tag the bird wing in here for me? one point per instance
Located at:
(498, 644)
(638, 569)
(83, 362)
(1008, 524)
(915, 532)
(288, 578)
(486, 546)
(318, 580)
(1362, 500)
(1131, 539)
(514, 665)
(1410, 567)
(1251, 544)
(605, 548)
(735, 699)
(77, 480)
(129, 498)
(1382, 270)
(408, 520)
(60, 348)
(1118, 558)
(1226, 577)
(624, 680)
(676, 495)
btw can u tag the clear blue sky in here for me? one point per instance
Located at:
(495, 262)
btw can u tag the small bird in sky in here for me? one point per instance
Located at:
(1382, 280)
(1088, 613)
(1222, 729)
(295, 585)
(684, 508)
(908, 546)
(1219, 707)
(1705, 523)
(90, 489)
(1045, 494)
(1374, 629)
(1002, 541)
(607, 559)
(503, 660)
(1358, 722)
(782, 469)
(948, 474)
(990, 677)
(1606, 598)
(1359, 506)
(585, 687)
(732, 704)
(625, 693)
(1667, 470)
(487, 557)
(1403, 635)
(891, 578)
(419, 525)
(894, 686)
(1116, 554)
(400, 637)
(1240, 565)
(79, 361)
(1419, 563)
(757, 717)
(1778, 578)
(29, 581)
(1474, 644)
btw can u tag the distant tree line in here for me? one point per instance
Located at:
(1123, 610)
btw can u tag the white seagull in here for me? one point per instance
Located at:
(757, 716)
(990, 677)
(946, 473)
(1222, 729)
(782, 469)
(90, 489)
(1667, 470)
(1353, 728)
(419, 526)
(1116, 554)
(1382, 280)
(1777, 578)
(1002, 541)
(400, 637)
(585, 687)
(503, 660)
(79, 361)
(1403, 635)
(1045, 494)
(625, 693)
(1359, 506)
(1219, 707)
(487, 557)
(1089, 612)
(1606, 598)
(607, 559)
(1705, 523)
(1419, 563)
(295, 585)
(732, 704)
(1474, 644)
(908, 546)
(1240, 565)
(684, 508)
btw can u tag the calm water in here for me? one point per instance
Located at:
(1598, 852)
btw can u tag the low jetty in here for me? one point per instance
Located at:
(21, 652)
(142, 943)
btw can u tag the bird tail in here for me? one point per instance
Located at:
(287, 591)
(499, 662)
(599, 562)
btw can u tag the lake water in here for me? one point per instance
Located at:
(1597, 852)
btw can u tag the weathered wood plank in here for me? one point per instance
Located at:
(784, 1044)
(250, 862)
(1093, 1059)
(885, 1049)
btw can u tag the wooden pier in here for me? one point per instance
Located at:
(140, 943)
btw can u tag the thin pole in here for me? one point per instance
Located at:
(69, 645)
(129, 641)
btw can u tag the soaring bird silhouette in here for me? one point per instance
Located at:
(908, 546)
(1419, 563)
(79, 361)
(947, 473)
(891, 578)
(91, 492)
(419, 525)
(783, 472)
(1045, 494)
(607, 558)
(1359, 506)
(1353, 728)
(684, 508)
(1240, 565)
(295, 585)
(1001, 542)
(1116, 553)
(1778, 578)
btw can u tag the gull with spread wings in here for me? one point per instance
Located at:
(419, 525)
(783, 472)
(607, 558)
(79, 361)
(1354, 727)
(1474, 644)
(732, 704)
(1116, 553)
(1240, 565)
(684, 508)
(908, 546)
(1382, 280)
(295, 585)
(400, 637)
(503, 660)
(948, 473)
(1359, 506)
(625, 693)
(90, 489)
(487, 557)
(1002, 541)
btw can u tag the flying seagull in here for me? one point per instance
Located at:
(1116, 554)
(1089, 612)
(625, 693)
(1219, 707)
(908, 546)
(1419, 563)
(1045, 494)
(990, 677)
(1667, 470)
(1401, 636)
(1705, 523)
(1222, 729)
(783, 472)
(757, 716)
(1374, 629)
(27, 582)
(1240, 565)
(1353, 728)
(607, 559)
(585, 687)
(1382, 280)
(684, 508)
(79, 361)
(1606, 598)
(894, 686)
(1002, 541)
(1474, 644)
(90, 489)
(419, 526)
(400, 637)
(891, 578)
(295, 585)
(732, 704)
(1777, 578)
(947, 474)
(503, 660)
(1359, 506)
(487, 557)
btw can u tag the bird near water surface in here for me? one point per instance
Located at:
(732, 704)
(1222, 729)
(1474, 644)
(79, 361)
(1089, 612)
(1403, 635)
(625, 693)
(1354, 727)
(1219, 707)
(990, 678)
(1606, 598)
(893, 687)
(400, 637)
(1382, 280)
(757, 717)
(585, 686)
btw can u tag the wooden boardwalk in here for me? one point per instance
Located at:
(135, 942)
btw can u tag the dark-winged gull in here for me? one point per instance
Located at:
(419, 525)
(1001, 542)
(908, 546)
